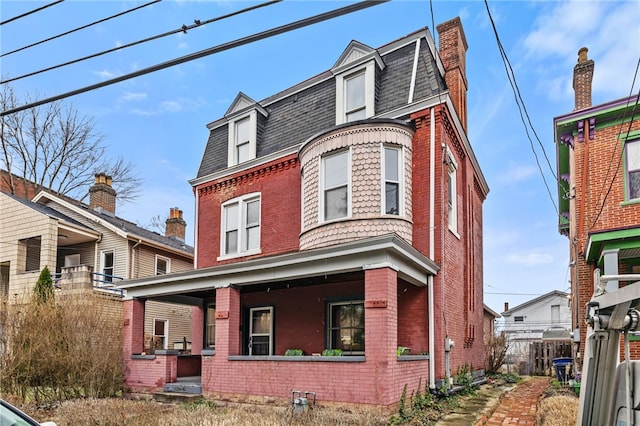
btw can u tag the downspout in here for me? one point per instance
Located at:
(133, 257)
(432, 202)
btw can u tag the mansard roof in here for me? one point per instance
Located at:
(404, 83)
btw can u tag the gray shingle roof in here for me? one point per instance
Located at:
(48, 211)
(308, 108)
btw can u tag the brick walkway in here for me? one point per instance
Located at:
(518, 406)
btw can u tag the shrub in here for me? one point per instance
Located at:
(495, 351)
(293, 352)
(56, 351)
(332, 352)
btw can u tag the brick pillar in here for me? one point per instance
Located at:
(102, 195)
(453, 52)
(227, 322)
(381, 327)
(175, 225)
(197, 329)
(582, 77)
(133, 333)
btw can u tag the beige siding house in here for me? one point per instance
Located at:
(89, 245)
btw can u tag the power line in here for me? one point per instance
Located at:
(182, 29)
(522, 107)
(206, 52)
(80, 28)
(30, 12)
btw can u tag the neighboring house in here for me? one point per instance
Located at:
(528, 323)
(343, 213)
(90, 247)
(598, 161)
(489, 323)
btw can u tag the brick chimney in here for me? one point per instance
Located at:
(453, 53)
(175, 224)
(582, 77)
(102, 196)
(506, 306)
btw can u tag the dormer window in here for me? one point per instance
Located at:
(355, 108)
(243, 120)
(242, 139)
(355, 74)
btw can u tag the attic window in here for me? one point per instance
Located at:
(518, 319)
(355, 94)
(242, 139)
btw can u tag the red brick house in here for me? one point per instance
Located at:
(598, 164)
(341, 215)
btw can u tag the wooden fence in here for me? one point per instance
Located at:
(542, 354)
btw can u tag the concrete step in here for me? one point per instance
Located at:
(183, 387)
(175, 397)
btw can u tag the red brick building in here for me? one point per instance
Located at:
(342, 215)
(598, 150)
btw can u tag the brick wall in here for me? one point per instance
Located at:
(279, 185)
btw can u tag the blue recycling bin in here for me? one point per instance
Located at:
(562, 366)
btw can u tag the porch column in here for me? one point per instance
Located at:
(381, 324)
(227, 322)
(133, 332)
(197, 329)
(611, 267)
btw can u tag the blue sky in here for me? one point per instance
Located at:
(159, 120)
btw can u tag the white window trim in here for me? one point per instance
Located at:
(166, 331)
(271, 326)
(167, 260)
(401, 179)
(321, 183)
(242, 202)
(452, 173)
(232, 159)
(369, 69)
(103, 254)
(627, 170)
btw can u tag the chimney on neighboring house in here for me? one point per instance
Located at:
(453, 53)
(506, 306)
(582, 77)
(102, 197)
(175, 224)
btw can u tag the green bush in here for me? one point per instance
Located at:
(293, 352)
(332, 352)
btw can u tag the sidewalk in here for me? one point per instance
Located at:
(505, 405)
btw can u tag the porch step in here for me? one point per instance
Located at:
(176, 397)
(183, 387)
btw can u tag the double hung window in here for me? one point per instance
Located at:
(107, 266)
(241, 225)
(335, 185)
(392, 180)
(355, 108)
(633, 169)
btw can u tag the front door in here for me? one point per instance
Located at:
(261, 331)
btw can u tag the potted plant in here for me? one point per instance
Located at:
(294, 352)
(403, 350)
(332, 352)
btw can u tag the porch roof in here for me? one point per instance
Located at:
(387, 250)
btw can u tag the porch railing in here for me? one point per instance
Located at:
(99, 281)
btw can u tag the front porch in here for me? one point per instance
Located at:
(364, 307)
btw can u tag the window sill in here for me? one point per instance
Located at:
(454, 232)
(207, 352)
(140, 356)
(413, 357)
(241, 254)
(344, 358)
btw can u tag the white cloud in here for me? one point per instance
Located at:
(608, 29)
(170, 106)
(530, 259)
(516, 173)
(133, 96)
(104, 74)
